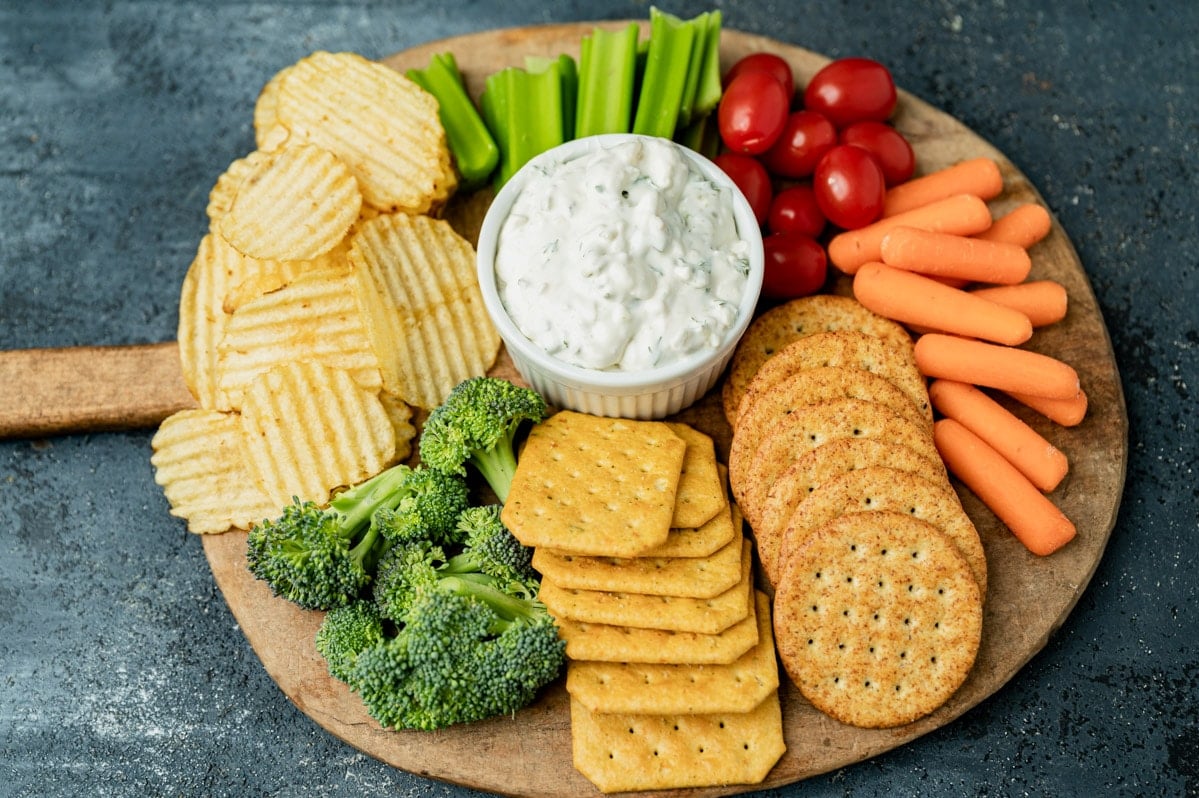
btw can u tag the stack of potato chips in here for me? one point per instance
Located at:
(325, 303)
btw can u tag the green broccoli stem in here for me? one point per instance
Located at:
(498, 463)
(356, 505)
(509, 609)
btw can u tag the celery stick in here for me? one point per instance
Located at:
(671, 41)
(702, 135)
(707, 91)
(694, 66)
(568, 76)
(525, 110)
(607, 79)
(471, 143)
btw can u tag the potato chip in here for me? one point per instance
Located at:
(400, 414)
(308, 429)
(380, 123)
(432, 330)
(317, 317)
(295, 204)
(259, 277)
(220, 198)
(198, 462)
(268, 133)
(202, 319)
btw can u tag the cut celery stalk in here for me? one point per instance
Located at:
(671, 41)
(475, 151)
(695, 101)
(707, 91)
(607, 81)
(568, 75)
(525, 111)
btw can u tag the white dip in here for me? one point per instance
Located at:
(625, 258)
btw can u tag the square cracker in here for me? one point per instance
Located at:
(706, 615)
(690, 577)
(620, 753)
(702, 541)
(643, 689)
(610, 643)
(598, 486)
(701, 491)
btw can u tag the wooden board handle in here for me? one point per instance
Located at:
(89, 389)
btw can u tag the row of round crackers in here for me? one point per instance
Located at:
(324, 303)
(878, 572)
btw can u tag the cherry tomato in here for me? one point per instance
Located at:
(849, 186)
(850, 90)
(887, 145)
(796, 265)
(752, 178)
(806, 136)
(752, 112)
(795, 210)
(763, 62)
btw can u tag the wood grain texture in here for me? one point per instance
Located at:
(1029, 597)
(89, 389)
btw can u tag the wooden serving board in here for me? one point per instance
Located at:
(529, 754)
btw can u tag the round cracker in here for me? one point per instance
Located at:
(819, 466)
(761, 409)
(817, 424)
(886, 489)
(785, 323)
(878, 620)
(848, 349)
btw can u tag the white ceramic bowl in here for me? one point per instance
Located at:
(645, 394)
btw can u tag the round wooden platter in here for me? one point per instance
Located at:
(1028, 600)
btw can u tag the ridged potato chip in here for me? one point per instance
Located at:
(220, 198)
(380, 123)
(198, 462)
(268, 133)
(295, 204)
(259, 277)
(317, 317)
(433, 331)
(308, 429)
(202, 320)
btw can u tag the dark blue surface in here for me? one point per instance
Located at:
(121, 670)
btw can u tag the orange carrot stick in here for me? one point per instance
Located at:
(961, 214)
(1043, 301)
(977, 176)
(912, 298)
(1067, 412)
(1024, 226)
(995, 366)
(1036, 458)
(948, 255)
(1033, 519)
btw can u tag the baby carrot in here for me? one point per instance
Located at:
(995, 366)
(961, 214)
(1029, 514)
(977, 176)
(1024, 226)
(949, 255)
(912, 298)
(1043, 301)
(1036, 458)
(1067, 412)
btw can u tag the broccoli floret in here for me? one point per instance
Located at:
(320, 558)
(477, 424)
(429, 509)
(490, 558)
(454, 662)
(489, 546)
(347, 630)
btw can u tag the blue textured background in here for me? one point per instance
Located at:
(121, 670)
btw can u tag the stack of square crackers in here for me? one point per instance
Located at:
(671, 661)
(878, 573)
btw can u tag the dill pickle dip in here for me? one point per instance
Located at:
(625, 258)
